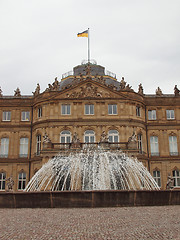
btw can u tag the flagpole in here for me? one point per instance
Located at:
(88, 48)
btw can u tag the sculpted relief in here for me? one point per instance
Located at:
(88, 91)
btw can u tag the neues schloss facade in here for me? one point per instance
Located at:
(86, 104)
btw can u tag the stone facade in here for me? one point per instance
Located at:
(85, 106)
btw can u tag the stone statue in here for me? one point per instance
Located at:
(122, 83)
(37, 91)
(46, 139)
(176, 91)
(17, 92)
(10, 183)
(55, 84)
(170, 182)
(159, 92)
(75, 138)
(104, 137)
(132, 141)
(140, 89)
(0, 92)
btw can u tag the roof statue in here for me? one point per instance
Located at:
(17, 92)
(1, 92)
(37, 91)
(159, 92)
(140, 89)
(122, 84)
(176, 91)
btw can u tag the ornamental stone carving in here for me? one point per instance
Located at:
(87, 91)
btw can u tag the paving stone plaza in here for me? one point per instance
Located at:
(132, 223)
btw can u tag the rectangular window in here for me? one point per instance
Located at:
(157, 177)
(39, 112)
(154, 146)
(170, 114)
(65, 109)
(25, 116)
(139, 138)
(112, 109)
(89, 109)
(6, 116)
(21, 181)
(176, 177)
(23, 147)
(152, 114)
(4, 147)
(38, 145)
(2, 180)
(173, 146)
(138, 111)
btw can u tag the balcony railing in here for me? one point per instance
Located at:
(174, 153)
(96, 145)
(3, 155)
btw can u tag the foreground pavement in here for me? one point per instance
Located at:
(139, 223)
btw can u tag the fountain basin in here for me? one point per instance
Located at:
(89, 199)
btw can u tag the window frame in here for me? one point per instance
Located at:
(154, 143)
(39, 112)
(169, 114)
(113, 135)
(173, 146)
(176, 177)
(152, 114)
(87, 109)
(2, 181)
(140, 142)
(23, 147)
(138, 111)
(21, 181)
(66, 134)
(64, 109)
(25, 118)
(89, 135)
(6, 116)
(38, 144)
(4, 148)
(112, 109)
(156, 177)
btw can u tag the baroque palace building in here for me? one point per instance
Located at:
(88, 106)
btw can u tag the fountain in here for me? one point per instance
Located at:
(92, 169)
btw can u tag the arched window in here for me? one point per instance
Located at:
(38, 144)
(4, 150)
(65, 136)
(23, 147)
(2, 180)
(113, 136)
(89, 136)
(176, 176)
(173, 145)
(21, 180)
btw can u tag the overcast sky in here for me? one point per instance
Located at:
(137, 39)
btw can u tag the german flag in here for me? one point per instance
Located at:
(83, 34)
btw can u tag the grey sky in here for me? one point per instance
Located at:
(137, 39)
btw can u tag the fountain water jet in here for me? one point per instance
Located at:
(92, 169)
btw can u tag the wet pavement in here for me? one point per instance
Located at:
(139, 223)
